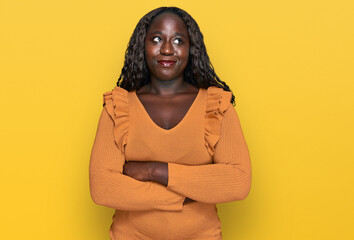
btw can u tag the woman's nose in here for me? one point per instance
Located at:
(166, 48)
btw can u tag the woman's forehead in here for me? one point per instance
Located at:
(167, 21)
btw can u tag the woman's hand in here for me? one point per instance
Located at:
(138, 170)
(147, 171)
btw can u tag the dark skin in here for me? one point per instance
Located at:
(167, 97)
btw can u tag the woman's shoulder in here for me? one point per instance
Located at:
(218, 99)
(117, 93)
(116, 104)
(217, 102)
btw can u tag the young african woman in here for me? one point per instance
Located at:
(169, 144)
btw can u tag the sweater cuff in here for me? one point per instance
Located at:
(176, 175)
(173, 204)
(171, 201)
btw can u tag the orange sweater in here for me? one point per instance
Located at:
(208, 161)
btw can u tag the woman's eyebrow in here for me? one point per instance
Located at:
(156, 32)
(180, 34)
(177, 34)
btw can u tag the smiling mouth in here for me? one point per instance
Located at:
(167, 63)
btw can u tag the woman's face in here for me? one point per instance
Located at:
(167, 47)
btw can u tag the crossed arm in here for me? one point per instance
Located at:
(167, 186)
(149, 171)
(110, 187)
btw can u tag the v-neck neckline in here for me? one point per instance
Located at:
(185, 117)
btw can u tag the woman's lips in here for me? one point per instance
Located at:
(165, 63)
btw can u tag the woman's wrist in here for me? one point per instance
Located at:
(159, 173)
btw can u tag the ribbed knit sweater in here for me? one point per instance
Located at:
(208, 161)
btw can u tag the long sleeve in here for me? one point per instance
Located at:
(228, 178)
(111, 188)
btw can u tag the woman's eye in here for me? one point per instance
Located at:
(156, 39)
(177, 40)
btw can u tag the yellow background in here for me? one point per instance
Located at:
(289, 63)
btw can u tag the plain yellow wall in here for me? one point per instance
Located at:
(289, 63)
